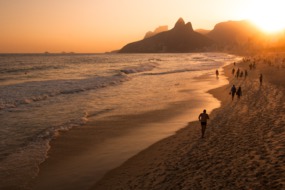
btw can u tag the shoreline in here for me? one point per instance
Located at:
(70, 154)
(243, 148)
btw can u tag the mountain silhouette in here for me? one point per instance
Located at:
(156, 31)
(181, 38)
(234, 33)
(230, 36)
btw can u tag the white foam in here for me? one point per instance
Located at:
(26, 93)
(140, 68)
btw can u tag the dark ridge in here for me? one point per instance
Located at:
(181, 38)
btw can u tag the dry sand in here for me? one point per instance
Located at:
(244, 145)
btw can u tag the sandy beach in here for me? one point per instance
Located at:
(133, 115)
(112, 95)
(244, 146)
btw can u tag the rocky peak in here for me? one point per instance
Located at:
(188, 26)
(181, 38)
(180, 25)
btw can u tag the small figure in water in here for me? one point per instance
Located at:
(233, 91)
(239, 93)
(203, 117)
(217, 73)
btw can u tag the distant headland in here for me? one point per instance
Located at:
(230, 36)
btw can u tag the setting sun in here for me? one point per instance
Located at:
(102, 26)
(267, 15)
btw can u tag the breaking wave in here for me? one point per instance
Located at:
(140, 68)
(26, 93)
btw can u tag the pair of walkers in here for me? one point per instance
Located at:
(235, 91)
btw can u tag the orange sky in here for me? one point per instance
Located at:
(104, 25)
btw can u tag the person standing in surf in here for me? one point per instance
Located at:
(203, 117)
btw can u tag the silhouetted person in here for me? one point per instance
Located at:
(233, 71)
(260, 79)
(237, 75)
(250, 66)
(239, 92)
(245, 73)
(233, 91)
(203, 117)
(217, 73)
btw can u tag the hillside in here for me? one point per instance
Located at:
(230, 36)
(181, 38)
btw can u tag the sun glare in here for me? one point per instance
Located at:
(267, 15)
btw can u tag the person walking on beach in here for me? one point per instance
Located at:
(237, 74)
(239, 93)
(203, 117)
(260, 79)
(233, 91)
(233, 71)
(217, 73)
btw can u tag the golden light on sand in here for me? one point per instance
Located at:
(267, 15)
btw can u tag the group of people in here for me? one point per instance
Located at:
(252, 66)
(203, 117)
(239, 73)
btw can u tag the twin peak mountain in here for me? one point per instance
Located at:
(182, 38)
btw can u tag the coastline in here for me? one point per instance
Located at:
(243, 148)
(71, 155)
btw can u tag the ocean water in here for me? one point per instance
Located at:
(42, 95)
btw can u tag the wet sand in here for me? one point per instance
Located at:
(243, 148)
(80, 157)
